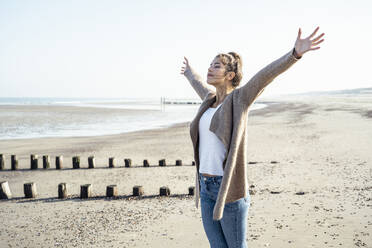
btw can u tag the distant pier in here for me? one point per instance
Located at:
(164, 100)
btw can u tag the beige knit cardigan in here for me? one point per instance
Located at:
(229, 124)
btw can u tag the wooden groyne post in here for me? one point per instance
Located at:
(146, 163)
(2, 162)
(85, 191)
(5, 190)
(59, 162)
(62, 190)
(29, 190)
(128, 162)
(112, 190)
(14, 162)
(138, 190)
(178, 162)
(162, 162)
(164, 191)
(46, 162)
(192, 190)
(91, 162)
(34, 161)
(111, 162)
(76, 162)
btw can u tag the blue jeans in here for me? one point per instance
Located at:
(231, 230)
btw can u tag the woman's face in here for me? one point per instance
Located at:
(216, 72)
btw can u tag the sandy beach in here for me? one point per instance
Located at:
(318, 145)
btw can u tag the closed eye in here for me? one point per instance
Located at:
(216, 65)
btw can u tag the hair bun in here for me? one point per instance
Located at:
(235, 55)
(237, 59)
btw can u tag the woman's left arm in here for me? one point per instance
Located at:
(251, 90)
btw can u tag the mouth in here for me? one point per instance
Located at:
(209, 75)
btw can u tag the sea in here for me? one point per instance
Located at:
(31, 117)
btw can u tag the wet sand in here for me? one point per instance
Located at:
(310, 164)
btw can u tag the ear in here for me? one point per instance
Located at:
(230, 75)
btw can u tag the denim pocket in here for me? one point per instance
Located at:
(213, 187)
(218, 181)
(240, 203)
(233, 205)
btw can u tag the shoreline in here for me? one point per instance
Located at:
(76, 110)
(99, 135)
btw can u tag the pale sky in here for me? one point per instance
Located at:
(89, 48)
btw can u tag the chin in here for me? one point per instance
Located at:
(210, 82)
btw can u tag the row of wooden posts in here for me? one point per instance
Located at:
(75, 162)
(85, 190)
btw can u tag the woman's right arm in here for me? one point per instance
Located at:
(195, 80)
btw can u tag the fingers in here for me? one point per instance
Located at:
(183, 68)
(299, 33)
(316, 30)
(314, 48)
(317, 43)
(317, 38)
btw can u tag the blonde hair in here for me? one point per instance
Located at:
(232, 62)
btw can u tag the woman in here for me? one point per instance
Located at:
(218, 133)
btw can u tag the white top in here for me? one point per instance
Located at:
(211, 149)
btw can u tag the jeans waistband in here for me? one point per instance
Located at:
(210, 179)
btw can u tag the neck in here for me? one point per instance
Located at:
(221, 93)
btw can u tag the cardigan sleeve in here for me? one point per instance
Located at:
(255, 86)
(196, 82)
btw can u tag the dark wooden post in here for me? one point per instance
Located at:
(137, 190)
(178, 162)
(191, 190)
(76, 162)
(164, 191)
(111, 191)
(162, 162)
(146, 163)
(14, 162)
(59, 162)
(62, 190)
(91, 162)
(46, 162)
(5, 190)
(128, 162)
(34, 161)
(2, 166)
(111, 162)
(85, 191)
(30, 190)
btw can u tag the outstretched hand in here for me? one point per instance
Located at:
(185, 67)
(304, 45)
